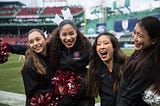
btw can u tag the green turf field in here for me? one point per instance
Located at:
(3, 104)
(10, 76)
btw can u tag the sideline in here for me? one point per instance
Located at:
(14, 99)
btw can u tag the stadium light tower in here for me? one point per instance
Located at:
(103, 10)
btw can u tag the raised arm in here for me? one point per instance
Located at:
(17, 49)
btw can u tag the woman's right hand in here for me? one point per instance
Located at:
(62, 90)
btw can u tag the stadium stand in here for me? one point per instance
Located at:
(7, 11)
(28, 11)
(52, 10)
(16, 19)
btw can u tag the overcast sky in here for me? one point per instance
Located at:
(70, 2)
(89, 3)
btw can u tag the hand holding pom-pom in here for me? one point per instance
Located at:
(58, 82)
(3, 51)
(66, 83)
(73, 83)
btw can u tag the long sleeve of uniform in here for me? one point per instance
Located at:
(34, 82)
(31, 81)
(18, 49)
(131, 91)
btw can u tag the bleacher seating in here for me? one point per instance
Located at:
(75, 10)
(52, 10)
(7, 11)
(57, 10)
(29, 11)
(14, 40)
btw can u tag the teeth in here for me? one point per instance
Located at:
(103, 53)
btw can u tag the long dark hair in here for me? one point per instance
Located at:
(38, 63)
(152, 26)
(95, 66)
(81, 43)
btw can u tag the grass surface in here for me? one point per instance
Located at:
(128, 51)
(3, 104)
(10, 76)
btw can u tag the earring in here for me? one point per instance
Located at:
(153, 42)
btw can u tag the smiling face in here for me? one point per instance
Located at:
(141, 38)
(68, 35)
(105, 48)
(37, 42)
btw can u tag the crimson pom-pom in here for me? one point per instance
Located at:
(4, 51)
(44, 99)
(58, 80)
(72, 83)
(68, 80)
(41, 99)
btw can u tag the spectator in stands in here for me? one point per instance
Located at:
(70, 52)
(105, 69)
(142, 69)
